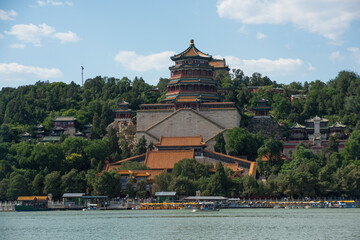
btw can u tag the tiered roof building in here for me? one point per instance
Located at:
(316, 133)
(192, 105)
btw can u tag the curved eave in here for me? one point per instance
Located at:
(192, 66)
(198, 54)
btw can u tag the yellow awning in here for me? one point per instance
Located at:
(32, 198)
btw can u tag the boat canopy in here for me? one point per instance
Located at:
(32, 198)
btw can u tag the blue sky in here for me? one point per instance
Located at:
(286, 40)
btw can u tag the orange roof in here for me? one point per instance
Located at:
(187, 100)
(32, 198)
(166, 159)
(252, 170)
(191, 51)
(218, 63)
(267, 157)
(116, 165)
(180, 141)
(233, 166)
(150, 174)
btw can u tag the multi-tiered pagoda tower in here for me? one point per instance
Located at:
(191, 106)
(192, 79)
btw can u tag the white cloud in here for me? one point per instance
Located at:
(278, 67)
(335, 56)
(242, 30)
(1, 36)
(18, 45)
(355, 52)
(30, 33)
(330, 18)
(260, 36)
(66, 37)
(311, 67)
(4, 15)
(17, 72)
(142, 63)
(53, 3)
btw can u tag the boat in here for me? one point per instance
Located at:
(205, 207)
(32, 203)
(90, 206)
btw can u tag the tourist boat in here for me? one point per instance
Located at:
(205, 206)
(32, 203)
(91, 206)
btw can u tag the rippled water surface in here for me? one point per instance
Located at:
(183, 224)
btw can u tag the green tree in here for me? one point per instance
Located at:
(190, 168)
(333, 145)
(52, 184)
(219, 182)
(96, 127)
(250, 187)
(130, 186)
(241, 142)
(4, 183)
(76, 161)
(220, 144)
(18, 186)
(38, 184)
(108, 184)
(183, 186)
(140, 147)
(161, 182)
(90, 178)
(113, 141)
(125, 151)
(5, 169)
(141, 188)
(73, 181)
(271, 150)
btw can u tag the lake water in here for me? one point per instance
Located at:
(183, 224)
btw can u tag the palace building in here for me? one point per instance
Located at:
(170, 150)
(316, 133)
(191, 106)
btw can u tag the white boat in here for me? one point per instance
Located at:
(205, 207)
(91, 206)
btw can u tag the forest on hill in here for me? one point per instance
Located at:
(73, 164)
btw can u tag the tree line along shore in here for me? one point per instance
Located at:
(74, 164)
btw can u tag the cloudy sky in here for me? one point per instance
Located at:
(286, 40)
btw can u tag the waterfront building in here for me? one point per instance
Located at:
(32, 203)
(191, 106)
(73, 200)
(165, 197)
(315, 133)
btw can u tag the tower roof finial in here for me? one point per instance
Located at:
(191, 42)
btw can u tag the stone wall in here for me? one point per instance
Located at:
(267, 126)
(186, 122)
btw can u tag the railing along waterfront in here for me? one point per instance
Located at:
(7, 206)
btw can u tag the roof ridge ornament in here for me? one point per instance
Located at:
(192, 42)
